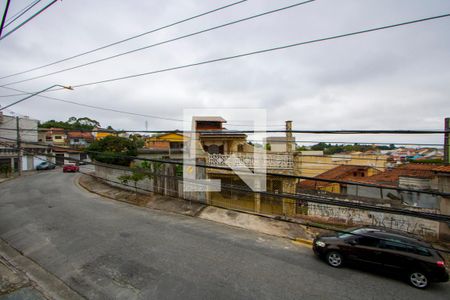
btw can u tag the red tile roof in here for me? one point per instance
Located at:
(391, 177)
(343, 172)
(443, 169)
(80, 135)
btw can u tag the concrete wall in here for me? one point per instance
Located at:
(112, 174)
(443, 183)
(307, 163)
(350, 216)
(409, 198)
(164, 185)
(9, 123)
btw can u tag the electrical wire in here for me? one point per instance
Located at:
(256, 52)
(5, 13)
(126, 39)
(21, 12)
(290, 176)
(260, 51)
(28, 20)
(230, 187)
(160, 43)
(229, 131)
(114, 110)
(311, 198)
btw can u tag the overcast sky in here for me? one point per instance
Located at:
(393, 79)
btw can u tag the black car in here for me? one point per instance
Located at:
(45, 166)
(387, 250)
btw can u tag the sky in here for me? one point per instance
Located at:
(392, 79)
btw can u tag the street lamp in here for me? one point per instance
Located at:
(34, 94)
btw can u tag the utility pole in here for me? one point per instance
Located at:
(447, 141)
(19, 148)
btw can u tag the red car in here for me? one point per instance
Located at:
(71, 168)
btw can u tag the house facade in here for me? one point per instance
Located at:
(32, 152)
(215, 146)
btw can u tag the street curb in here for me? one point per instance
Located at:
(303, 241)
(78, 182)
(288, 233)
(45, 282)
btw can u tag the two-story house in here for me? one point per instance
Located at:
(79, 138)
(216, 145)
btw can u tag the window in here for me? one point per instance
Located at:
(398, 245)
(421, 251)
(58, 137)
(76, 140)
(240, 148)
(213, 149)
(367, 241)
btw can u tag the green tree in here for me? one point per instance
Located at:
(73, 123)
(113, 150)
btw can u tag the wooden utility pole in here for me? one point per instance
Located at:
(19, 148)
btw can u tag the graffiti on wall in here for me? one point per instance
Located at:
(351, 216)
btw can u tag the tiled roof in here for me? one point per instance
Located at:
(343, 172)
(80, 135)
(391, 177)
(443, 169)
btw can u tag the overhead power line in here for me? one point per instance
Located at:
(28, 19)
(231, 131)
(308, 197)
(28, 5)
(257, 52)
(263, 51)
(226, 187)
(126, 39)
(200, 165)
(21, 12)
(114, 110)
(161, 43)
(5, 13)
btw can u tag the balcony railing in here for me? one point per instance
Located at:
(272, 161)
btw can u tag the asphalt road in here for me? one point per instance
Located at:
(110, 250)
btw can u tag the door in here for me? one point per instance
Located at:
(397, 255)
(365, 249)
(59, 159)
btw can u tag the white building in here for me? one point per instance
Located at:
(33, 154)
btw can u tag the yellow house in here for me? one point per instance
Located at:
(101, 135)
(165, 141)
(56, 136)
(313, 163)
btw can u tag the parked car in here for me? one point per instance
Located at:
(415, 260)
(81, 163)
(70, 168)
(45, 166)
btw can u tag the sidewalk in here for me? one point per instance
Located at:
(234, 218)
(15, 285)
(22, 278)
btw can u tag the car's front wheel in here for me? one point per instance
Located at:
(335, 259)
(418, 279)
